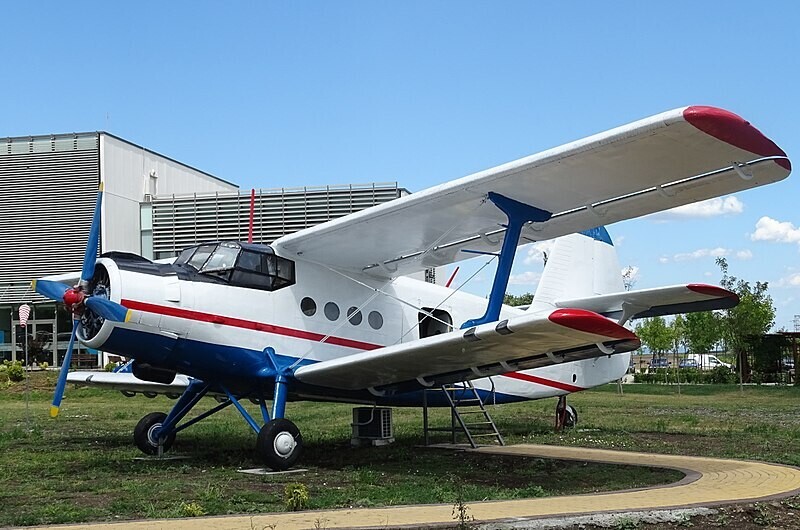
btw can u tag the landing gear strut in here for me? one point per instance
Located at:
(279, 443)
(566, 415)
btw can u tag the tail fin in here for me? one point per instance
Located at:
(580, 265)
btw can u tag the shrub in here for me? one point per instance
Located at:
(192, 509)
(15, 371)
(295, 496)
(109, 367)
(44, 366)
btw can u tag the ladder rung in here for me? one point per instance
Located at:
(479, 423)
(487, 434)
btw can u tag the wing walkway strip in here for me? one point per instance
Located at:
(708, 482)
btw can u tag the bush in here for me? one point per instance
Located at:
(295, 496)
(44, 366)
(15, 371)
(109, 367)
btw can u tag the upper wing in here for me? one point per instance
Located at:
(528, 341)
(656, 302)
(675, 158)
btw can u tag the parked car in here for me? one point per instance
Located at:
(688, 363)
(706, 361)
(659, 362)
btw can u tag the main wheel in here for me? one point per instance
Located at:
(279, 444)
(144, 435)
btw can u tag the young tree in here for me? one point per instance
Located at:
(655, 334)
(523, 299)
(754, 315)
(702, 331)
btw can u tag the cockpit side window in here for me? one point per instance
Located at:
(258, 270)
(223, 257)
(201, 255)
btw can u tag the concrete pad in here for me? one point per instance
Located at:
(265, 471)
(708, 482)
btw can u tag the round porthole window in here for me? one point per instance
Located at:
(354, 316)
(308, 306)
(332, 311)
(375, 320)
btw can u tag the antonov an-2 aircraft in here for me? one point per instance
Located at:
(328, 313)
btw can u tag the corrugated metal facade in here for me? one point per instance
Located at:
(48, 190)
(182, 221)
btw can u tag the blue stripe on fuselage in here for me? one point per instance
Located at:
(216, 362)
(598, 233)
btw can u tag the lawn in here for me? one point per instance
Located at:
(82, 467)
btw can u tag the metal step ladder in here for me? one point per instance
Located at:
(468, 414)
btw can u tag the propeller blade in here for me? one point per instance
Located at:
(90, 256)
(50, 289)
(62, 375)
(107, 309)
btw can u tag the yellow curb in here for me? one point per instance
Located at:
(710, 481)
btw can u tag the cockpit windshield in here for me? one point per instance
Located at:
(240, 264)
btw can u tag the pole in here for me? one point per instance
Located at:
(27, 377)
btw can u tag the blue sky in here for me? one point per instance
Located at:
(311, 93)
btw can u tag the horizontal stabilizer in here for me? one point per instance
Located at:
(660, 301)
(526, 341)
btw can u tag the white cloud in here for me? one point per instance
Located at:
(709, 208)
(708, 274)
(769, 229)
(793, 280)
(537, 250)
(525, 278)
(700, 253)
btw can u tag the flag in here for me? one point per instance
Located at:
(24, 313)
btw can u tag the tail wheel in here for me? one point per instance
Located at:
(145, 434)
(566, 415)
(279, 444)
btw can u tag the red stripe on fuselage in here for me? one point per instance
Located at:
(246, 324)
(542, 381)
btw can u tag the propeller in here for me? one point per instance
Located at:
(77, 299)
(107, 309)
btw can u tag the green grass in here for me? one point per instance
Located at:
(81, 467)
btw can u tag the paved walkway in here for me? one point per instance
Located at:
(709, 481)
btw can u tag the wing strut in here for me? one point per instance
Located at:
(518, 215)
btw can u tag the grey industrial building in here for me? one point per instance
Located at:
(153, 206)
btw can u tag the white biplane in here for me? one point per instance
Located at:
(329, 313)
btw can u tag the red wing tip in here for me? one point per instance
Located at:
(712, 290)
(590, 322)
(735, 130)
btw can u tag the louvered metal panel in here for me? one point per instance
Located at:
(182, 221)
(49, 185)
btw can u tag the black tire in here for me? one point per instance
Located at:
(143, 434)
(279, 444)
